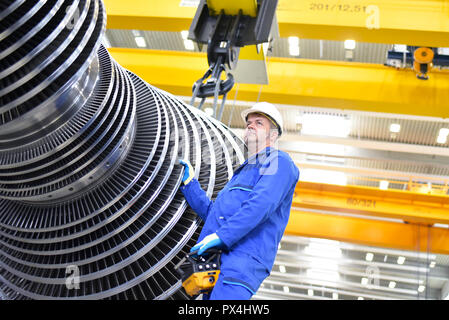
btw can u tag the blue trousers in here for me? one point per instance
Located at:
(227, 291)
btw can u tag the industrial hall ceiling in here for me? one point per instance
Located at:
(333, 144)
(369, 218)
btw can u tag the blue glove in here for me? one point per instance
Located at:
(188, 171)
(211, 241)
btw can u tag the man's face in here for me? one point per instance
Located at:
(257, 131)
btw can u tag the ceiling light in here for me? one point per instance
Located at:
(395, 127)
(310, 292)
(360, 298)
(443, 51)
(136, 33)
(334, 295)
(140, 41)
(209, 111)
(188, 44)
(325, 159)
(184, 34)
(326, 125)
(432, 264)
(324, 176)
(421, 288)
(317, 148)
(323, 248)
(442, 135)
(441, 139)
(323, 275)
(293, 46)
(392, 285)
(282, 269)
(350, 44)
(286, 289)
(369, 256)
(364, 281)
(400, 48)
(401, 260)
(383, 185)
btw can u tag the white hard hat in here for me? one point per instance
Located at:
(268, 110)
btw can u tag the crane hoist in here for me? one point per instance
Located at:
(226, 26)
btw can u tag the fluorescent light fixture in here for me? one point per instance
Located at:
(324, 248)
(188, 44)
(334, 295)
(140, 41)
(286, 289)
(369, 256)
(293, 46)
(360, 298)
(444, 132)
(395, 127)
(432, 264)
(282, 269)
(441, 139)
(400, 48)
(310, 292)
(383, 184)
(443, 51)
(184, 34)
(401, 260)
(421, 288)
(209, 111)
(326, 125)
(136, 33)
(442, 135)
(392, 285)
(324, 176)
(364, 281)
(350, 44)
(318, 147)
(323, 275)
(323, 266)
(327, 159)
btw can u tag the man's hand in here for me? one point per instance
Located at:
(211, 241)
(188, 171)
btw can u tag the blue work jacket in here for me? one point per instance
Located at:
(249, 215)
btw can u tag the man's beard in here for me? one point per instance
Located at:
(255, 141)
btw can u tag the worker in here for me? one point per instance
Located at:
(249, 215)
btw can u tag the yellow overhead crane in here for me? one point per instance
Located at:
(341, 85)
(385, 218)
(352, 86)
(412, 22)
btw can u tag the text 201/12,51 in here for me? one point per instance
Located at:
(316, 6)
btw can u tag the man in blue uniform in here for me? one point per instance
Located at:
(249, 216)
